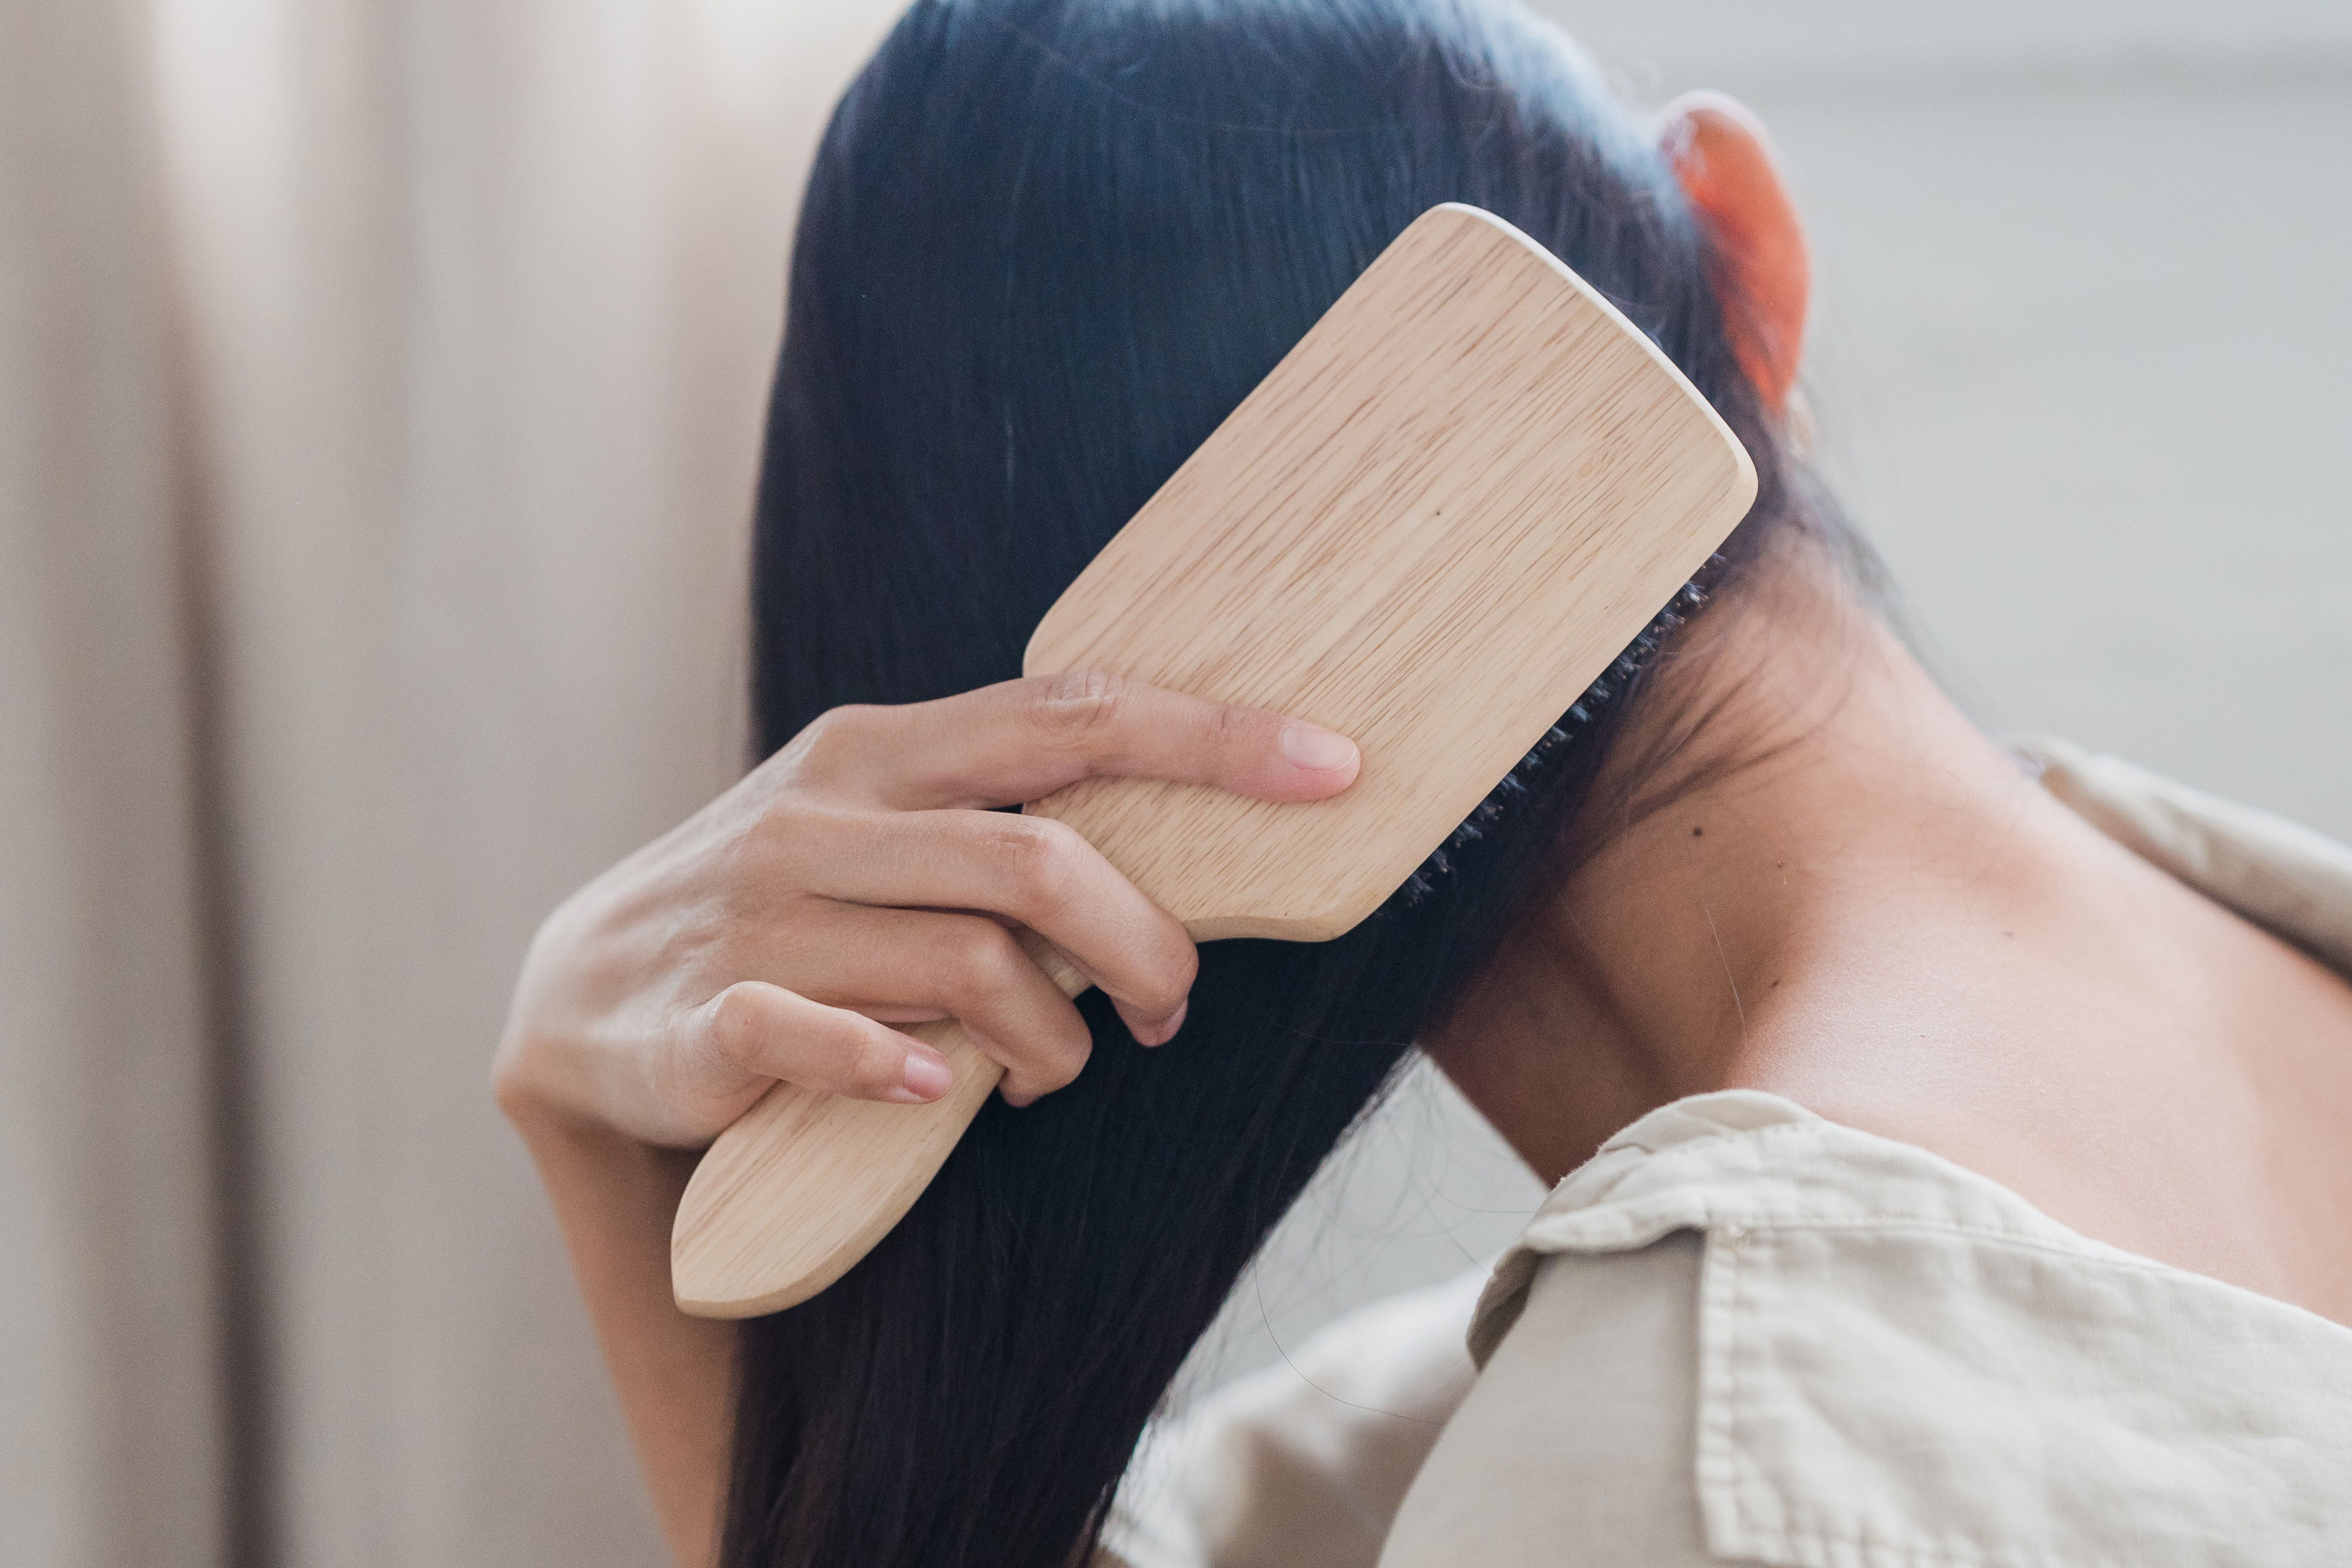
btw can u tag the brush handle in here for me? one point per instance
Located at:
(803, 1184)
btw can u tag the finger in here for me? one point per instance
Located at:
(1037, 872)
(925, 961)
(1022, 740)
(771, 1032)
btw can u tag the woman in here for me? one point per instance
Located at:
(1048, 245)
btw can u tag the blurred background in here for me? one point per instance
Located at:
(380, 390)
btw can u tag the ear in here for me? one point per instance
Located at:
(1728, 167)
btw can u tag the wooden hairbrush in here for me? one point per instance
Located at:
(1445, 512)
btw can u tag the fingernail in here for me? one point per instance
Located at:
(1320, 750)
(928, 1077)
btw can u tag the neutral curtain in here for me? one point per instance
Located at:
(380, 395)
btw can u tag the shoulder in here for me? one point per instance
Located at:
(1712, 1337)
(1575, 1443)
(1302, 1463)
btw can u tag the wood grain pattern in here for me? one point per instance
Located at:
(1439, 518)
(1430, 528)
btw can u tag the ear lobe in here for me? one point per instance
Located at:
(1765, 272)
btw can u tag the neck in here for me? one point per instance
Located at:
(1835, 826)
(1839, 891)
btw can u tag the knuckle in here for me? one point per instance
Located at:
(1036, 1076)
(1230, 727)
(1062, 1058)
(832, 738)
(787, 850)
(1170, 982)
(1243, 736)
(877, 1064)
(741, 1024)
(1080, 706)
(983, 959)
(1040, 862)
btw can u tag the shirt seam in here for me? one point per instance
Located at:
(2088, 1250)
(1709, 1216)
(1816, 1129)
(1824, 1130)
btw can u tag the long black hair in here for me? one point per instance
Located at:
(1047, 246)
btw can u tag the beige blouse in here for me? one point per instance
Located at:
(1741, 1333)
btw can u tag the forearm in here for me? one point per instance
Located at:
(614, 1198)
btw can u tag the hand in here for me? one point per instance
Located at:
(856, 879)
